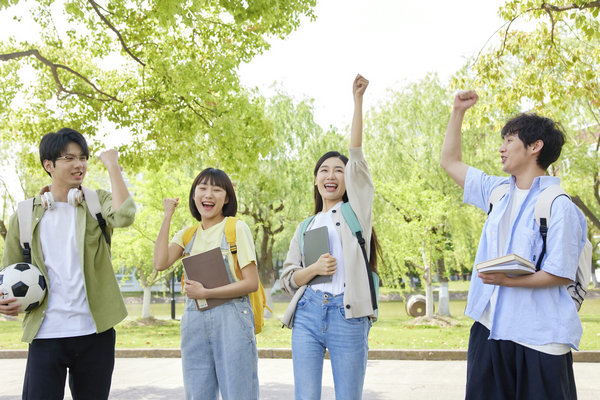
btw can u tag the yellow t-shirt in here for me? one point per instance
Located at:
(208, 239)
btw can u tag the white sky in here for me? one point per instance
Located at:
(390, 42)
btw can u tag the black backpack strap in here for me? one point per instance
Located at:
(361, 242)
(544, 233)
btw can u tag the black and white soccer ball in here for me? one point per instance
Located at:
(25, 283)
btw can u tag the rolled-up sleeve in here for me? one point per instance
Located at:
(122, 217)
(292, 264)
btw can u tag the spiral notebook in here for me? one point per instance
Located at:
(210, 270)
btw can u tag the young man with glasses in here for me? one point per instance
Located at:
(72, 329)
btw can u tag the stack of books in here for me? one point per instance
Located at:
(509, 264)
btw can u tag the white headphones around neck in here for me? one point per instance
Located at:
(74, 197)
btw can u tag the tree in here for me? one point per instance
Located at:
(418, 212)
(133, 248)
(162, 72)
(278, 195)
(547, 67)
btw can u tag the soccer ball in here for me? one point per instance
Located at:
(25, 283)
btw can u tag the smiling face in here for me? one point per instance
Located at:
(330, 181)
(69, 169)
(209, 200)
(515, 156)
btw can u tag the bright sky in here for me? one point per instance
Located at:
(390, 42)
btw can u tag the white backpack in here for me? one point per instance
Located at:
(25, 212)
(543, 205)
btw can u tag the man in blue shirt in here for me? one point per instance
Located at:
(525, 326)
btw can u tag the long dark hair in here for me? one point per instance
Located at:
(216, 177)
(375, 247)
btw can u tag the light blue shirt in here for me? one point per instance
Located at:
(535, 316)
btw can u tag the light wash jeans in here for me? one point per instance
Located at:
(218, 351)
(319, 324)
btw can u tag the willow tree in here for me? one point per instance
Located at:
(418, 214)
(162, 72)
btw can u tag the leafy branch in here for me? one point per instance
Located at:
(95, 6)
(54, 67)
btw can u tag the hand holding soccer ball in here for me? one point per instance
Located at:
(24, 283)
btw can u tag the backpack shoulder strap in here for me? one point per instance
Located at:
(24, 214)
(303, 227)
(230, 236)
(544, 203)
(93, 205)
(354, 225)
(497, 193)
(351, 219)
(543, 206)
(188, 239)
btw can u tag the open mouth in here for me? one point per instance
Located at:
(208, 205)
(330, 187)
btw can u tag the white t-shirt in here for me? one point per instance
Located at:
(487, 317)
(68, 313)
(336, 286)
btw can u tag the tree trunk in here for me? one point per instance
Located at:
(428, 288)
(146, 302)
(444, 298)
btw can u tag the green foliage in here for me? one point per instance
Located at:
(278, 194)
(543, 61)
(164, 73)
(418, 213)
(133, 248)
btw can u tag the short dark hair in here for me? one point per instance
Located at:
(53, 145)
(216, 177)
(532, 127)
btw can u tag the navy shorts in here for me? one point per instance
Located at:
(505, 370)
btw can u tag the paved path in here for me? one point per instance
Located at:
(160, 379)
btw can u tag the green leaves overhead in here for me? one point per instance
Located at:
(162, 72)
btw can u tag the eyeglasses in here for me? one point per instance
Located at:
(71, 158)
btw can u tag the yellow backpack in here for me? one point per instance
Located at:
(258, 299)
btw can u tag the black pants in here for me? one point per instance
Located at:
(505, 370)
(90, 360)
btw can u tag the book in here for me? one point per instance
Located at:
(316, 243)
(509, 264)
(210, 270)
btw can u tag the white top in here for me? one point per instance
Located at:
(68, 313)
(487, 317)
(336, 286)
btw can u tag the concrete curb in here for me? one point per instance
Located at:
(589, 356)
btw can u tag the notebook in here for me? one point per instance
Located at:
(316, 243)
(508, 264)
(209, 269)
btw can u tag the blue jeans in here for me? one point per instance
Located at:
(218, 351)
(319, 324)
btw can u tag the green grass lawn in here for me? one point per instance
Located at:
(393, 330)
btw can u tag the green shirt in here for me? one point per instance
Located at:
(101, 287)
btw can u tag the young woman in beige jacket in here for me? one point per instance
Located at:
(334, 315)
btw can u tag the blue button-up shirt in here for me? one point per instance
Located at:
(534, 316)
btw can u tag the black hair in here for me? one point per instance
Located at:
(216, 177)
(53, 145)
(375, 247)
(532, 127)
